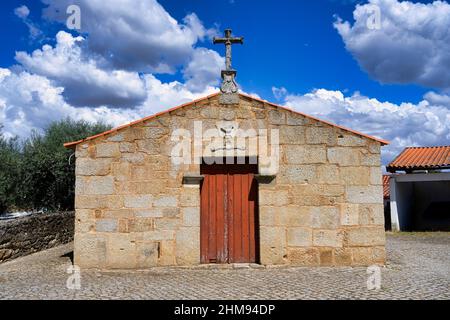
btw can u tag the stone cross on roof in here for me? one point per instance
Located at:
(229, 86)
(228, 41)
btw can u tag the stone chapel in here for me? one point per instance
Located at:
(228, 178)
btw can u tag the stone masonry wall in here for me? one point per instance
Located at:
(324, 207)
(27, 235)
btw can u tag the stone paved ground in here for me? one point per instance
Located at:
(418, 268)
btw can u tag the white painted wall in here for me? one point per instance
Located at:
(412, 194)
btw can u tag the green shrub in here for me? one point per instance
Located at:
(41, 176)
(10, 160)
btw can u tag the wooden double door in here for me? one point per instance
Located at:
(229, 214)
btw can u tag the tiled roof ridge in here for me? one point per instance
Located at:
(430, 147)
(74, 143)
(435, 157)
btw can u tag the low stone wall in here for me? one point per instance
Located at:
(24, 236)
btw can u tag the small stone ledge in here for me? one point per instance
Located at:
(265, 179)
(192, 179)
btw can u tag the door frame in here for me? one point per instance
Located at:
(256, 223)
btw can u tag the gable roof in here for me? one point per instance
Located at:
(421, 158)
(112, 131)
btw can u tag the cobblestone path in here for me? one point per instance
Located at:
(418, 268)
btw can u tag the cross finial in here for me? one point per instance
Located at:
(228, 40)
(229, 87)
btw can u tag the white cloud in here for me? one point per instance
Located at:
(163, 96)
(279, 93)
(121, 41)
(135, 35)
(95, 77)
(4, 73)
(412, 44)
(437, 99)
(253, 94)
(407, 124)
(22, 12)
(30, 102)
(84, 83)
(203, 70)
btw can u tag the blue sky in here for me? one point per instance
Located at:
(290, 44)
(137, 57)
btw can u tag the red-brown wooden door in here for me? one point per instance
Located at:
(229, 214)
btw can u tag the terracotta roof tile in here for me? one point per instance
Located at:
(421, 158)
(73, 144)
(386, 187)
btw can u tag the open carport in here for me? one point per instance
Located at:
(420, 190)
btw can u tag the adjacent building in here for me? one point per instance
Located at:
(420, 189)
